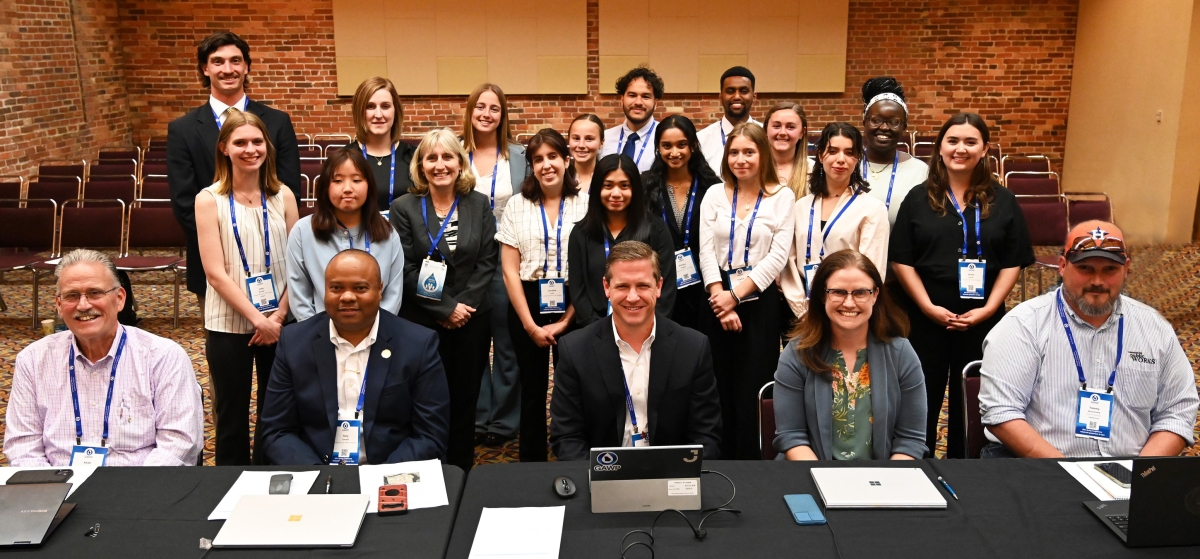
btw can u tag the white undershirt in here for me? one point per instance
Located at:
(351, 364)
(636, 367)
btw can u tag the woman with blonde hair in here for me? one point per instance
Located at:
(378, 122)
(787, 129)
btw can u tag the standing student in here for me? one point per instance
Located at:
(533, 256)
(957, 247)
(242, 221)
(737, 98)
(890, 172)
(835, 215)
(378, 122)
(745, 235)
(450, 259)
(223, 62)
(499, 166)
(617, 211)
(346, 217)
(787, 129)
(586, 138)
(675, 185)
(639, 90)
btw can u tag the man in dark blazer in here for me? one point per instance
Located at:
(633, 379)
(223, 61)
(316, 384)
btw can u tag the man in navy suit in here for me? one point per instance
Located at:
(320, 409)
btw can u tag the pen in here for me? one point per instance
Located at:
(329, 484)
(948, 488)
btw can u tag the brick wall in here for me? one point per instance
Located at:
(1010, 61)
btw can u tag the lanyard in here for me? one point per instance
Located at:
(1112, 378)
(496, 167)
(349, 237)
(112, 380)
(866, 169)
(362, 392)
(266, 233)
(629, 404)
(546, 235)
(978, 239)
(217, 117)
(391, 175)
(749, 228)
(825, 231)
(433, 242)
(721, 123)
(621, 141)
(687, 216)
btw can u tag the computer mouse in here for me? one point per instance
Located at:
(564, 487)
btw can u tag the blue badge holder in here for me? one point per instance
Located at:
(685, 268)
(88, 455)
(1094, 416)
(972, 276)
(261, 289)
(552, 296)
(432, 279)
(736, 276)
(345, 454)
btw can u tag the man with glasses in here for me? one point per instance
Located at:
(101, 394)
(1085, 371)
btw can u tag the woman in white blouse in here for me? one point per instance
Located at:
(835, 215)
(533, 238)
(745, 236)
(890, 172)
(787, 128)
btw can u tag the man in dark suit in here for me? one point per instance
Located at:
(320, 409)
(633, 379)
(223, 61)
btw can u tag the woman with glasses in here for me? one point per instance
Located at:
(890, 172)
(849, 386)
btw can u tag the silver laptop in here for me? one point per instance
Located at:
(28, 513)
(655, 478)
(294, 521)
(869, 488)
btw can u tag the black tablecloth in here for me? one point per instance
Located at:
(161, 512)
(1007, 508)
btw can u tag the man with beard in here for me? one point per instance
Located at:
(737, 98)
(1083, 370)
(639, 90)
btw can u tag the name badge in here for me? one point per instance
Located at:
(553, 299)
(431, 279)
(971, 274)
(90, 456)
(737, 276)
(685, 268)
(1095, 415)
(345, 442)
(640, 440)
(810, 272)
(262, 292)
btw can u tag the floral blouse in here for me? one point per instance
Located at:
(852, 418)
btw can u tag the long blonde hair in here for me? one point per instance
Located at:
(223, 176)
(798, 182)
(445, 138)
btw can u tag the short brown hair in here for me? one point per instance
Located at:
(366, 90)
(629, 251)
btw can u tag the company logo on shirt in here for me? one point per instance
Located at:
(1140, 358)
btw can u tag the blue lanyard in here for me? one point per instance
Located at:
(217, 117)
(749, 228)
(629, 404)
(1112, 378)
(266, 233)
(895, 163)
(978, 239)
(825, 231)
(433, 242)
(546, 235)
(645, 140)
(112, 380)
(721, 123)
(496, 167)
(687, 216)
(349, 237)
(362, 392)
(391, 175)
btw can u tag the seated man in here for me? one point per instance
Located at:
(355, 384)
(1083, 370)
(101, 393)
(632, 379)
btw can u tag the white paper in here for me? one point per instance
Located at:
(80, 475)
(1097, 483)
(259, 483)
(532, 533)
(427, 493)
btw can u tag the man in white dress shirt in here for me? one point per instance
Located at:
(639, 89)
(737, 98)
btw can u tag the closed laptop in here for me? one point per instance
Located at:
(868, 488)
(27, 512)
(303, 521)
(655, 478)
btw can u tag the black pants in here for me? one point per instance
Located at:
(231, 365)
(743, 362)
(691, 305)
(534, 363)
(464, 353)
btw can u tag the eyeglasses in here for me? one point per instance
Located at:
(839, 295)
(1097, 240)
(92, 295)
(894, 123)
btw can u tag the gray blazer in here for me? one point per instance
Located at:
(804, 402)
(518, 168)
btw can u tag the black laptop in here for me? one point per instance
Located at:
(1163, 507)
(29, 513)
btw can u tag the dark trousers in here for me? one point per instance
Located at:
(534, 363)
(464, 353)
(231, 365)
(691, 305)
(743, 362)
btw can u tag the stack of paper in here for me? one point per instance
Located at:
(259, 483)
(1096, 482)
(526, 533)
(424, 480)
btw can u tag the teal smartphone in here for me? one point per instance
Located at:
(804, 509)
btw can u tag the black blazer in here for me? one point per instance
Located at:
(588, 408)
(191, 164)
(585, 273)
(469, 269)
(403, 180)
(406, 415)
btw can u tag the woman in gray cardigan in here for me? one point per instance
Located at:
(849, 386)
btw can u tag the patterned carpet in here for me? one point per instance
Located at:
(1165, 277)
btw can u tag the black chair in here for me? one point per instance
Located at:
(766, 421)
(973, 427)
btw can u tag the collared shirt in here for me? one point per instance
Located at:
(770, 241)
(156, 418)
(307, 257)
(710, 141)
(636, 366)
(614, 144)
(351, 364)
(219, 108)
(1029, 373)
(521, 228)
